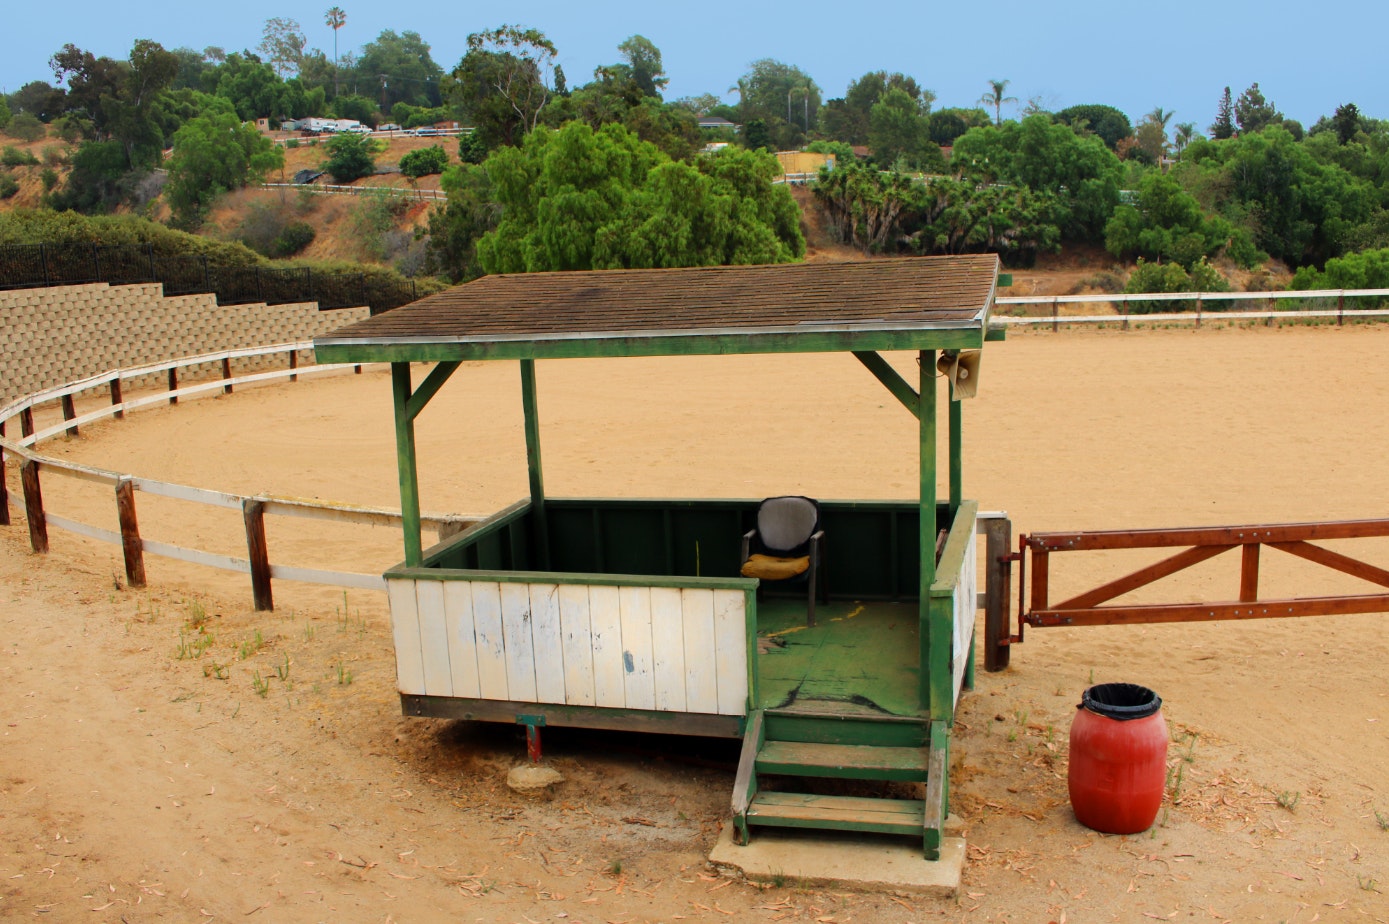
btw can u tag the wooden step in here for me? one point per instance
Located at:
(837, 813)
(842, 761)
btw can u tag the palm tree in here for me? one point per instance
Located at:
(335, 19)
(996, 99)
(1185, 132)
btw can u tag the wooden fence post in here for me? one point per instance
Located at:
(226, 374)
(253, 512)
(997, 592)
(116, 397)
(69, 412)
(33, 506)
(26, 422)
(294, 364)
(173, 385)
(130, 533)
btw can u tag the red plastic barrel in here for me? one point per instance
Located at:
(1118, 765)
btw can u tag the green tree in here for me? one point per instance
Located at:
(90, 79)
(1108, 123)
(282, 46)
(576, 198)
(1080, 172)
(399, 68)
(38, 99)
(1167, 223)
(847, 119)
(1224, 125)
(1346, 122)
(454, 230)
(1185, 133)
(995, 98)
(898, 129)
(252, 87)
(501, 83)
(4, 112)
(1253, 112)
(350, 156)
(213, 154)
(768, 91)
(644, 60)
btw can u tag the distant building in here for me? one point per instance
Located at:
(717, 123)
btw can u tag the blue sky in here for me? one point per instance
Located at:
(1307, 58)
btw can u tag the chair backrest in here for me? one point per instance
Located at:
(783, 523)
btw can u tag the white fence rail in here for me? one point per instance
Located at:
(327, 189)
(1297, 312)
(253, 508)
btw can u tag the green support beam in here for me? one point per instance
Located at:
(429, 388)
(891, 380)
(405, 464)
(533, 466)
(957, 465)
(926, 414)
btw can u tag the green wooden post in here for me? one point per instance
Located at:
(405, 463)
(956, 456)
(926, 414)
(537, 476)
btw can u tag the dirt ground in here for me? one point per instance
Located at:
(169, 754)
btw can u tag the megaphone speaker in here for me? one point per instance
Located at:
(963, 371)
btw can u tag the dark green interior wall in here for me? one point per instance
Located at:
(871, 547)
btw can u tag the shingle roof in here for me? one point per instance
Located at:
(922, 293)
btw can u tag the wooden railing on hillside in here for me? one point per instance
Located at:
(254, 508)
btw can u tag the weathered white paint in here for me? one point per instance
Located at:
(668, 643)
(458, 609)
(518, 641)
(638, 652)
(405, 629)
(965, 601)
(652, 648)
(491, 652)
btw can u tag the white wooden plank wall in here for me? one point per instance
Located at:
(966, 600)
(653, 648)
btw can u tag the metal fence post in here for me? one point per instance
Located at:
(43, 261)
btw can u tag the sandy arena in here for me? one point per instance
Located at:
(267, 775)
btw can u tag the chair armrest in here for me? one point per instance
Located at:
(816, 538)
(747, 543)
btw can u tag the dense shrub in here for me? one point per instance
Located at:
(25, 127)
(1172, 277)
(8, 186)
(350, 157)
(424, 162)
(13, 157)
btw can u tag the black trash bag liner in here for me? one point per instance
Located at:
(1122, 701)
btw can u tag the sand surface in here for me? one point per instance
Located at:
(143, 777)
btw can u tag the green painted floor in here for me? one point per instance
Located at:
(859, 658)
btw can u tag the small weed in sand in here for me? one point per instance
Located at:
(1288, 800)
(1382, 819)
(1367, 884)
(615, 868)
(282, 669)
(216, 670)
(197, 615)
(260, 685)
(308, 632)
(344, 675)
(252, 645)
(194, 647)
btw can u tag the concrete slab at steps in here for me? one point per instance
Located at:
(842, 860)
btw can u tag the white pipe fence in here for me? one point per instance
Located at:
(253, 508)
(1297, 312)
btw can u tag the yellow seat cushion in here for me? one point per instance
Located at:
(772, 568)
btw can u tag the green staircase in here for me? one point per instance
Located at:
(835, 747)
